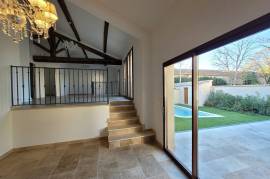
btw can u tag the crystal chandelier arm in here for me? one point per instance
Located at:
(20, 17)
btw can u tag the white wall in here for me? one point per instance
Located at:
(245, 90)
(58, 124)
(205, 87)
(191, 23)
(10, 54)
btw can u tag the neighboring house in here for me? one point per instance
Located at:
(227, 76)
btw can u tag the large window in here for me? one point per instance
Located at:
(128, 84)
(217, 105)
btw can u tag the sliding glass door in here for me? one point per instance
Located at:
(217, 108)
(178, 90)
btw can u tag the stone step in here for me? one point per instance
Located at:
(124, 121)
(131, 139)
(124, 129)
(119, 103)
(123, 118)
(123, 114)
(120, 108)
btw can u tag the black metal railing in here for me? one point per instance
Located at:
(44, 86)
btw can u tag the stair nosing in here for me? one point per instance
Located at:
(123, 105)
(130, 126)
(122, 119)
(123, 112)
(126, 137)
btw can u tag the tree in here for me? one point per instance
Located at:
(232, 57)
(260, 63)
(250, 78)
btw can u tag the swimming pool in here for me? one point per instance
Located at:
(184, 112)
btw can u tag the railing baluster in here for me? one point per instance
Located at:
(50, 88)
(103, 85)
(45, 97)
(69, 71)
(29, 87)
(17, 86)
(32, 84)
(87, 84)
(60, 93)
(107, 87)
(74, 90)
(11, 85)
(54, 85)
(92, 91)
(95, 89)
(64, 86)
(82, 87)
(99, 85)
(23, 83)
(78, 86)
(39, 87)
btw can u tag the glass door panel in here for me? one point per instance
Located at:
(178, 111)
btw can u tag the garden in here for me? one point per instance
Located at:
(233, 109)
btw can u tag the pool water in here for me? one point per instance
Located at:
(184, 112)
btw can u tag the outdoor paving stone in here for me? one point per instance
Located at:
(226, 165)
(250, 173)
(207, 173)
(250, 159)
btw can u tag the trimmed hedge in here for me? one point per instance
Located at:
(216, 81)
(219, 82)
(247, 104)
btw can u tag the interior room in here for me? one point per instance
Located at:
(156, 89)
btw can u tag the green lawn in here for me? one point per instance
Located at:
(230, 118)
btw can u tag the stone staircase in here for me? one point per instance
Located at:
(124, 128)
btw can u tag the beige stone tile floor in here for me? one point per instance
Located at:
(90, 160)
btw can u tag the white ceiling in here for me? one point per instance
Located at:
(145, 13)
(90, 29)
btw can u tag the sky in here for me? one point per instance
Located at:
(205, 60)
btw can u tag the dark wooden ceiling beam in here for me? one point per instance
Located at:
(70, 22)
(49, 59)
(52, 42)
(85, 47)
(105, 37)
(60, 50)
(57, 43)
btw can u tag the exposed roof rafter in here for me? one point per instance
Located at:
(85, 47)
(76, 60)
(105, 37)
(70, 22)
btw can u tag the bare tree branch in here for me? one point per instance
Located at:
(234, 56)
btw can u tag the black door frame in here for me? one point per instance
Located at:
(255, 26)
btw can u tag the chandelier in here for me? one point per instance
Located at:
(70, 45)
(23, 18)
